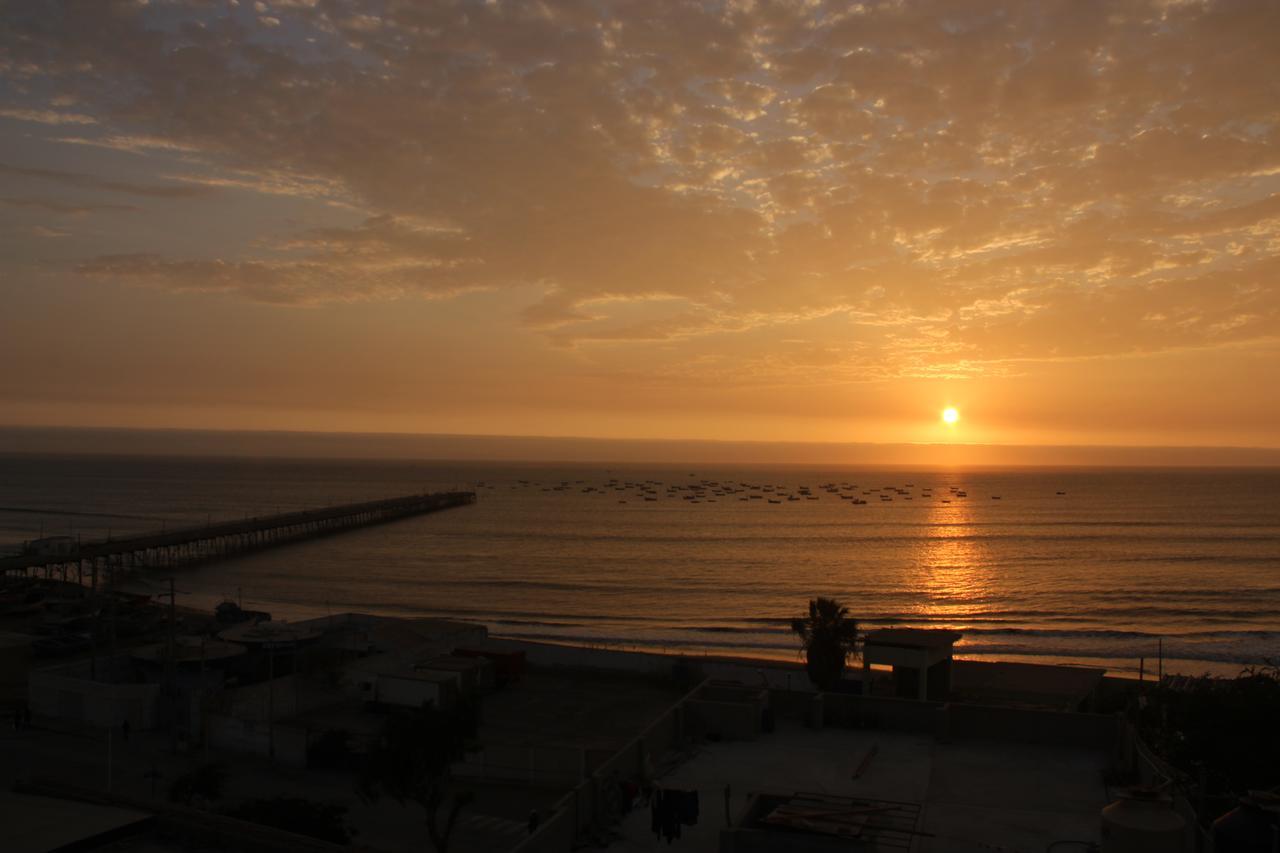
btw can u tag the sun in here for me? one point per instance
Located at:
(950, 415)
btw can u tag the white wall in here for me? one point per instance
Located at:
(80, 700)
(408, 692)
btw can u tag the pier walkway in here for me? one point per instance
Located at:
(169, 548)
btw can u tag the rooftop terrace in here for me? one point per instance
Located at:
(972, 795)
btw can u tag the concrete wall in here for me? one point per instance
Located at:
(15, 660)
(66, 693)
(774, 674)
(727, 710)
(468, 673)
(254, 737)
(848, 710)
(280, 697)
(792, 704)
(576, 657)
(1032, 725)
(664, 733)
(589, 804)
(406, 688)
(727, 720)
(959, 720)
(404, 692)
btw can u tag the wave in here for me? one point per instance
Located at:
(1242, 657)
(1030, 633)
(536, 623)
(1009, 621)
(745, 536)
(1116, 634)
(772, 635)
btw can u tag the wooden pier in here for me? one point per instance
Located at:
(170, 548)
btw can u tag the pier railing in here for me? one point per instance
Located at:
(167, 548)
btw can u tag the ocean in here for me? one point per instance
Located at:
(1098, 567)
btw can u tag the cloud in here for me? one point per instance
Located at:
(382, 259)
(992, 182)
(135, 143)
(80, 180)
(266, 182)
(47, 232)
(68, 209)
(47, 116)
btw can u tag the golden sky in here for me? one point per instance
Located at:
(741, 221)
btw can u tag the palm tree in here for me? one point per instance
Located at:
(828, 636)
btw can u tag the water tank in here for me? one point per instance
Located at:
(1252, 827)
(1142, 820)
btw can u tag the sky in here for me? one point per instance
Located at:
(733, 221)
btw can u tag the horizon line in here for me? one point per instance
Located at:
(214, 436)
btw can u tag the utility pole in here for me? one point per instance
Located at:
(169, 667)
(111, 603)
(93, 632)
(271, 699)
(173, 616)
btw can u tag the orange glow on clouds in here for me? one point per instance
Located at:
(731, 221)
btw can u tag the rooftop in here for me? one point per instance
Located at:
(189, 650)
(912, 638)
(972, 795)
(589, 710)
(270, 633)
(38, 824)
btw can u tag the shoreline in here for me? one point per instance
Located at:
(726, 654)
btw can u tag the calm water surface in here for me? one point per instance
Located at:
(1100, 574)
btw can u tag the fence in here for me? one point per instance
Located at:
(530, 765)
(773, 674)
(597, 800)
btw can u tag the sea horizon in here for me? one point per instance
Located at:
(1123, 561)
(570, 449)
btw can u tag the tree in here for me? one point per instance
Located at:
(827, 636)
(410, 763)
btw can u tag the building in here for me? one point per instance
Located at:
(921, 660)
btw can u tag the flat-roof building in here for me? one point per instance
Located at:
(921, 660)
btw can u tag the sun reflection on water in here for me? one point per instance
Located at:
(952, 578)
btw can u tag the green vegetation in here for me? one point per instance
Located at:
(827, 636)
(1224, 728)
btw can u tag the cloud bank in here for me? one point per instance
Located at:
(965, 186)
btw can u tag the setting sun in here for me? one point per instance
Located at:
(950, 415)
